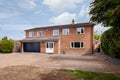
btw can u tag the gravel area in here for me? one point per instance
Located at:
(59, 61)
(108, 58)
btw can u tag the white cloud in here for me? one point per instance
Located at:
(27, 4)
(100, 28)
(60, 5)
(63, 18)
(17, 5)
(83, 12)
(14, 8)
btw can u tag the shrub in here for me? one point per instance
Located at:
(110, 42)
(6, 46)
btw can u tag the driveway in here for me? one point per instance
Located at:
(59, 61)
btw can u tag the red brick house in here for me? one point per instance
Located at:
(70, 38)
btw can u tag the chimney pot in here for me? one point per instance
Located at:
(73, 21)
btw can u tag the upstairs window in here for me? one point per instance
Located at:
(39, 33)
(55, 32)
(80, 30)
(77, 45)
(65, 31)
(31, 34)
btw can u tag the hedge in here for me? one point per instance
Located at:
(110, 42)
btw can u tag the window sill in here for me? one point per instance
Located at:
(77, 48)
(65, 34)
(80, 33)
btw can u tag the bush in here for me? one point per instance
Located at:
(110, 42)
(6, 46)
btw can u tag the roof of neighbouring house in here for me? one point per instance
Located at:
(38, 39)
(66, 25)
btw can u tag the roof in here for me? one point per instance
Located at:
(38, 39)
(63, 26)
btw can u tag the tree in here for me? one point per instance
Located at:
(97, 36)
(106, 12)
(110, 43)
(6, 45)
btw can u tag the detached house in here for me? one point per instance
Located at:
(70, 38)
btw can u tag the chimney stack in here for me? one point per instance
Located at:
(73, 21)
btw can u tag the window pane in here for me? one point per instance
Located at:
(65, 31)
(72, 45)
(56, 32)
(51, 45)
(39, 33)
(82, 45)
(31, 34)
(77, 44)
(47, 45)
(80, 30)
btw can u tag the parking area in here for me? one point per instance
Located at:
(59, 61)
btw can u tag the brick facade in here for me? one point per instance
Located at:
(63, 44)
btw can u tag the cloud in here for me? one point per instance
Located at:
(63, 18)
(83, 12)
(100, 28)
(14, 8)
(60, 5)
(27, 4)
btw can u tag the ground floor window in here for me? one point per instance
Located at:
(77, 44)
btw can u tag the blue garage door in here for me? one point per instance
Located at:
(32, 47)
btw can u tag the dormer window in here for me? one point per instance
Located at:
(80, 30)
(55, 32)
(39, 33)
(31, 34)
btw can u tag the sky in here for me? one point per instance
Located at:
(19, 15)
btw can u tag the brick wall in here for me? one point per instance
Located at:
(65, 40)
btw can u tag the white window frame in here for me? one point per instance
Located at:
(74, 45)
(80, 32)
(54, 33)
(64, 33)
(31, 34)
(38, 35)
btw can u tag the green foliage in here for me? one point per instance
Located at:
(106, 12)
(6, 46)
(86, 75)
(110, 42)
(96, 36)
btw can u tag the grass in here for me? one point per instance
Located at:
(93, 75)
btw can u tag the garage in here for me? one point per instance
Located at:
(31, 46)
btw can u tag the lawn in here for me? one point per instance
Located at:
(36, 73)
(86, 75)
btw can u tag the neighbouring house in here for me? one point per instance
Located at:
(96, 45)
(17, 46)
(69, 38)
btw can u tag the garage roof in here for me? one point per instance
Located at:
(38, 39)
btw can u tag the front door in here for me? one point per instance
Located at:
(50, 47)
